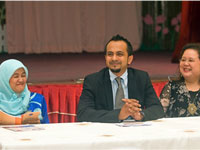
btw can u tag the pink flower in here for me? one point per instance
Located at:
(174, 21)
(158, 28)
(177, 28)
(160, 19)
(165, 31)
(179, 17)
(148, 19)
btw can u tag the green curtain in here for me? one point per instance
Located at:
(161, 25)
(2, 27)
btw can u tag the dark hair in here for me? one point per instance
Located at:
(120, 38)
(194, 46)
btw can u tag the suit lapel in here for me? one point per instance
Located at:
(108, 90)
(131, 84)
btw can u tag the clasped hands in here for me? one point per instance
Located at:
(131, 108)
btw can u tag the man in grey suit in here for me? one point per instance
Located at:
(100, 90)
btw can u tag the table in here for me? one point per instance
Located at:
(162, 134)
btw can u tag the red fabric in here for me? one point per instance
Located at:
(158, 86)
(190, 23)
(62, 99)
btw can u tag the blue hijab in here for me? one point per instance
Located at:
(11, 102)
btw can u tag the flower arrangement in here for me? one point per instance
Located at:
(163, 28)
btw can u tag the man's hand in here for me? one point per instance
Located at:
(131, 108)
(31, 118)
(137, 116)
(124, 113)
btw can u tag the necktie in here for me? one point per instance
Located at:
(119, 94)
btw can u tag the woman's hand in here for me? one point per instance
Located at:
(31, 118)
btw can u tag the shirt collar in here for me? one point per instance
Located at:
(124, 76)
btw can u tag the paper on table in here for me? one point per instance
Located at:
(133, 124)
(22, 128)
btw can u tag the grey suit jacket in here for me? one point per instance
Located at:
(96, 100)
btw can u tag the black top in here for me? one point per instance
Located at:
(175, 99)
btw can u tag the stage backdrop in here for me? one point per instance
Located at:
(66, 26)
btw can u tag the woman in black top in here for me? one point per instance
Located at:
(181, 98)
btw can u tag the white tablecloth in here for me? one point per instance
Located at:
(172, 133)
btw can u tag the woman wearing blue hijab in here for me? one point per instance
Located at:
(17, 104)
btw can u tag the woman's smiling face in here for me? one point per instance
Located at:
(190, 64)
(18, 80)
